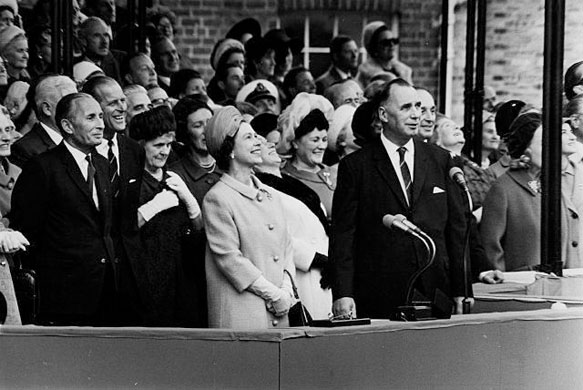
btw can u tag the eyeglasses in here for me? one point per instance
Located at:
(389, 42)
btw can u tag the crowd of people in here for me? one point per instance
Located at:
(141, 195)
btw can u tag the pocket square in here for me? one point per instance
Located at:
(131, 181)
(437, 190)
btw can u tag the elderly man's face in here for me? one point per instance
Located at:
(114, 106)
(86, 127)
(97, 40)
(305, 83)
(168, 61)
(142, 72)
(400, 114)
(137, 102)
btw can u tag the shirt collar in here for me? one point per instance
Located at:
(53, 135)
(391, 147)
(78, 155)
(251, 192)
(343, 74)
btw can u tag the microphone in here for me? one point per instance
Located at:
(399, 221)
(457, 175)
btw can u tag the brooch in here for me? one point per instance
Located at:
(535, 186)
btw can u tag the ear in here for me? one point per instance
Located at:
(45, 108)
(578, 89)
(129, 79)
(294, 144)
(221, 84)
(383, 114)
(67, 126)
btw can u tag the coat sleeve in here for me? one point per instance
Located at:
(29, 203)
(344, 211)
(223, 241)
(455, 234)
(493, 225)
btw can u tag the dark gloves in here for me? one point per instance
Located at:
(321, 262)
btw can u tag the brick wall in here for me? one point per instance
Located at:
(201, 23)
(514, 49)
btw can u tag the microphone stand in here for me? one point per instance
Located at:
(466, 304)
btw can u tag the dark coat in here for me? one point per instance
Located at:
(329, 78)
(33, 143)
(374, 263)
(70, 238)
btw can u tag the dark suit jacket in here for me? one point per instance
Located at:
(374, 263)
(70, 238)
(125, 230)
(35, 142)
(331, 76)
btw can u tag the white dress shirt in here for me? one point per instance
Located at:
(103, 149)
(391, 149)
(82, 163)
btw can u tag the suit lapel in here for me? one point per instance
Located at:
(385, 168)
(44, 137)
(420, 169)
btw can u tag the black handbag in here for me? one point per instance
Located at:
(26, 291)
(298, 315)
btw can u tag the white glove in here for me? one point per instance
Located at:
(164, 200)
(178, 185)
(12, 241)
(278, 301)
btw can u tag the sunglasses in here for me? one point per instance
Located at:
(389, 41)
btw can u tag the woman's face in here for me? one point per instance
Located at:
(451, 137)
(310, 147)
(568, 140)
(6, 135)
(490, 138)
(157, 151)
(247, 149)
(16, 54)
(269, 155)
(266, 65)
(535, 148)
(195, 125)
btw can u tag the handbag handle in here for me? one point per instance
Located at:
(294, 288)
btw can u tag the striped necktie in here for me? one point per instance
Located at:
(113, 166)
(90, 173)
(405, 173)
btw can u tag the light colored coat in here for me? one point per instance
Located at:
(308, 237)
(247, 237)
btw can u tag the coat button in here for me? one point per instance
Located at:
(275, 258)
(103, 261)
(274, 322)
(575, 244)
(270, 226)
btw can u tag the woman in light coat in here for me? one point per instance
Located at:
(249, 245)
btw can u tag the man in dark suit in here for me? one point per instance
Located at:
(62, 204)
(344, 56)
(394, 175)
(126, 159)
(45, 134)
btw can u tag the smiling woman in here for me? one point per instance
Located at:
(249, 245)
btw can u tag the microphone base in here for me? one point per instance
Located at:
(421, 311)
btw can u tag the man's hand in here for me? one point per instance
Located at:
(492, 277)
(344, 308)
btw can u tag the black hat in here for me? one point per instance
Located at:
(264, 124)
(279, 38)
(260, 92)
(249, 25)
(506, 114)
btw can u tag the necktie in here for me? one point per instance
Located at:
(405, 172)
(113, 175)
(90, 173)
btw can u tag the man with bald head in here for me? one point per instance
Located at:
(45, 134)
(96, 42)
(141, 71)
(137, 101)
(62, 204)
(396, 175)
(126, 164)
